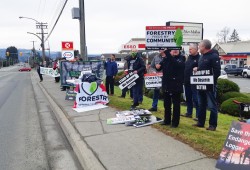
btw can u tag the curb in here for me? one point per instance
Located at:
(85, 156)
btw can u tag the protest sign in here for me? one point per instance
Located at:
(236, 151)
(90, 94)
(95, 67)
(70, 95)
(153, 80)
(128, 81)
(49, 71)
(203, 79)
(161, 37)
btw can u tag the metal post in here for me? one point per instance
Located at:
(82, 31)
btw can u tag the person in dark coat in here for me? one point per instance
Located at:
(172, 66)
(137, 66)
(38, 71)
(111, 71)
(190, 90)
(209, 60)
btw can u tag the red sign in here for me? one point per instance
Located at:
(67, 45)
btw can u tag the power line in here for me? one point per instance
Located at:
(56, 20)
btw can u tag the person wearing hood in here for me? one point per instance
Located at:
(137, 66)
(190, 90)
(209, 61)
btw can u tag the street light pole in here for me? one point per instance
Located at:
(41, 26)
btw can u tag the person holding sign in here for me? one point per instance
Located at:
(209, 61)
(172, 66)
(156, 60)
(137, 66)
(190, 90)
(111, 71)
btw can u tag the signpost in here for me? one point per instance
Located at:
(67, 50)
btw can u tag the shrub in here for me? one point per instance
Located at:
(223, 86)
(233, 94)
(229, 107)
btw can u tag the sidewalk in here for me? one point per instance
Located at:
(117, 147)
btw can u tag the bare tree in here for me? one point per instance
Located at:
(223, 35)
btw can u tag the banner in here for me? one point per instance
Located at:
(161, 37)
(49, 71)
(153, 80)
(128, 81)
(203, 79)
(236, 151)
(90, 94)
(67, 69)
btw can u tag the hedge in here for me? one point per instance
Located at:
(232, 94)
(223, 86)
(229, 107)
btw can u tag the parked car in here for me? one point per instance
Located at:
(223, 75)
(25, 69)
(233, 69)
(246, 71)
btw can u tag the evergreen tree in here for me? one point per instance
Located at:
(234, 37)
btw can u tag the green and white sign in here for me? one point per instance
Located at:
(161, 37)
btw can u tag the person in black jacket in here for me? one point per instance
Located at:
(172, 66)
(209, 61)
(137, 66)
(190, 90)
(38, 71)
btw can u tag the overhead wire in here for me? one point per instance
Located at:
(56, 20)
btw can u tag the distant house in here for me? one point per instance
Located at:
(234, 52)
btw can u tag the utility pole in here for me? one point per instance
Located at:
(42, 26)
(82, 31)
(34, 52)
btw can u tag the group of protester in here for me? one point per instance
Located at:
(176, 71)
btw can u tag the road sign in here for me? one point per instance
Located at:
(67, 45)
(69, 55)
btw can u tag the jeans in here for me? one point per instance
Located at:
(207, 98)
(191, 99)
(110, 84)
(170, 98)
(155, 98)
(137, 91)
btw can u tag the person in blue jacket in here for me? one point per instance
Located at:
(111, 71)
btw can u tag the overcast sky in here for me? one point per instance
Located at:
(111, 23)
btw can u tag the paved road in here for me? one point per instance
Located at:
(21, 142)
(30, 136)
(244, 83)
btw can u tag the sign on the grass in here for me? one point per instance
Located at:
(153, 80)
(49, 71)
(161, 37)
(236, 151)
(203, 80)
(90, 94)
(128, 81)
